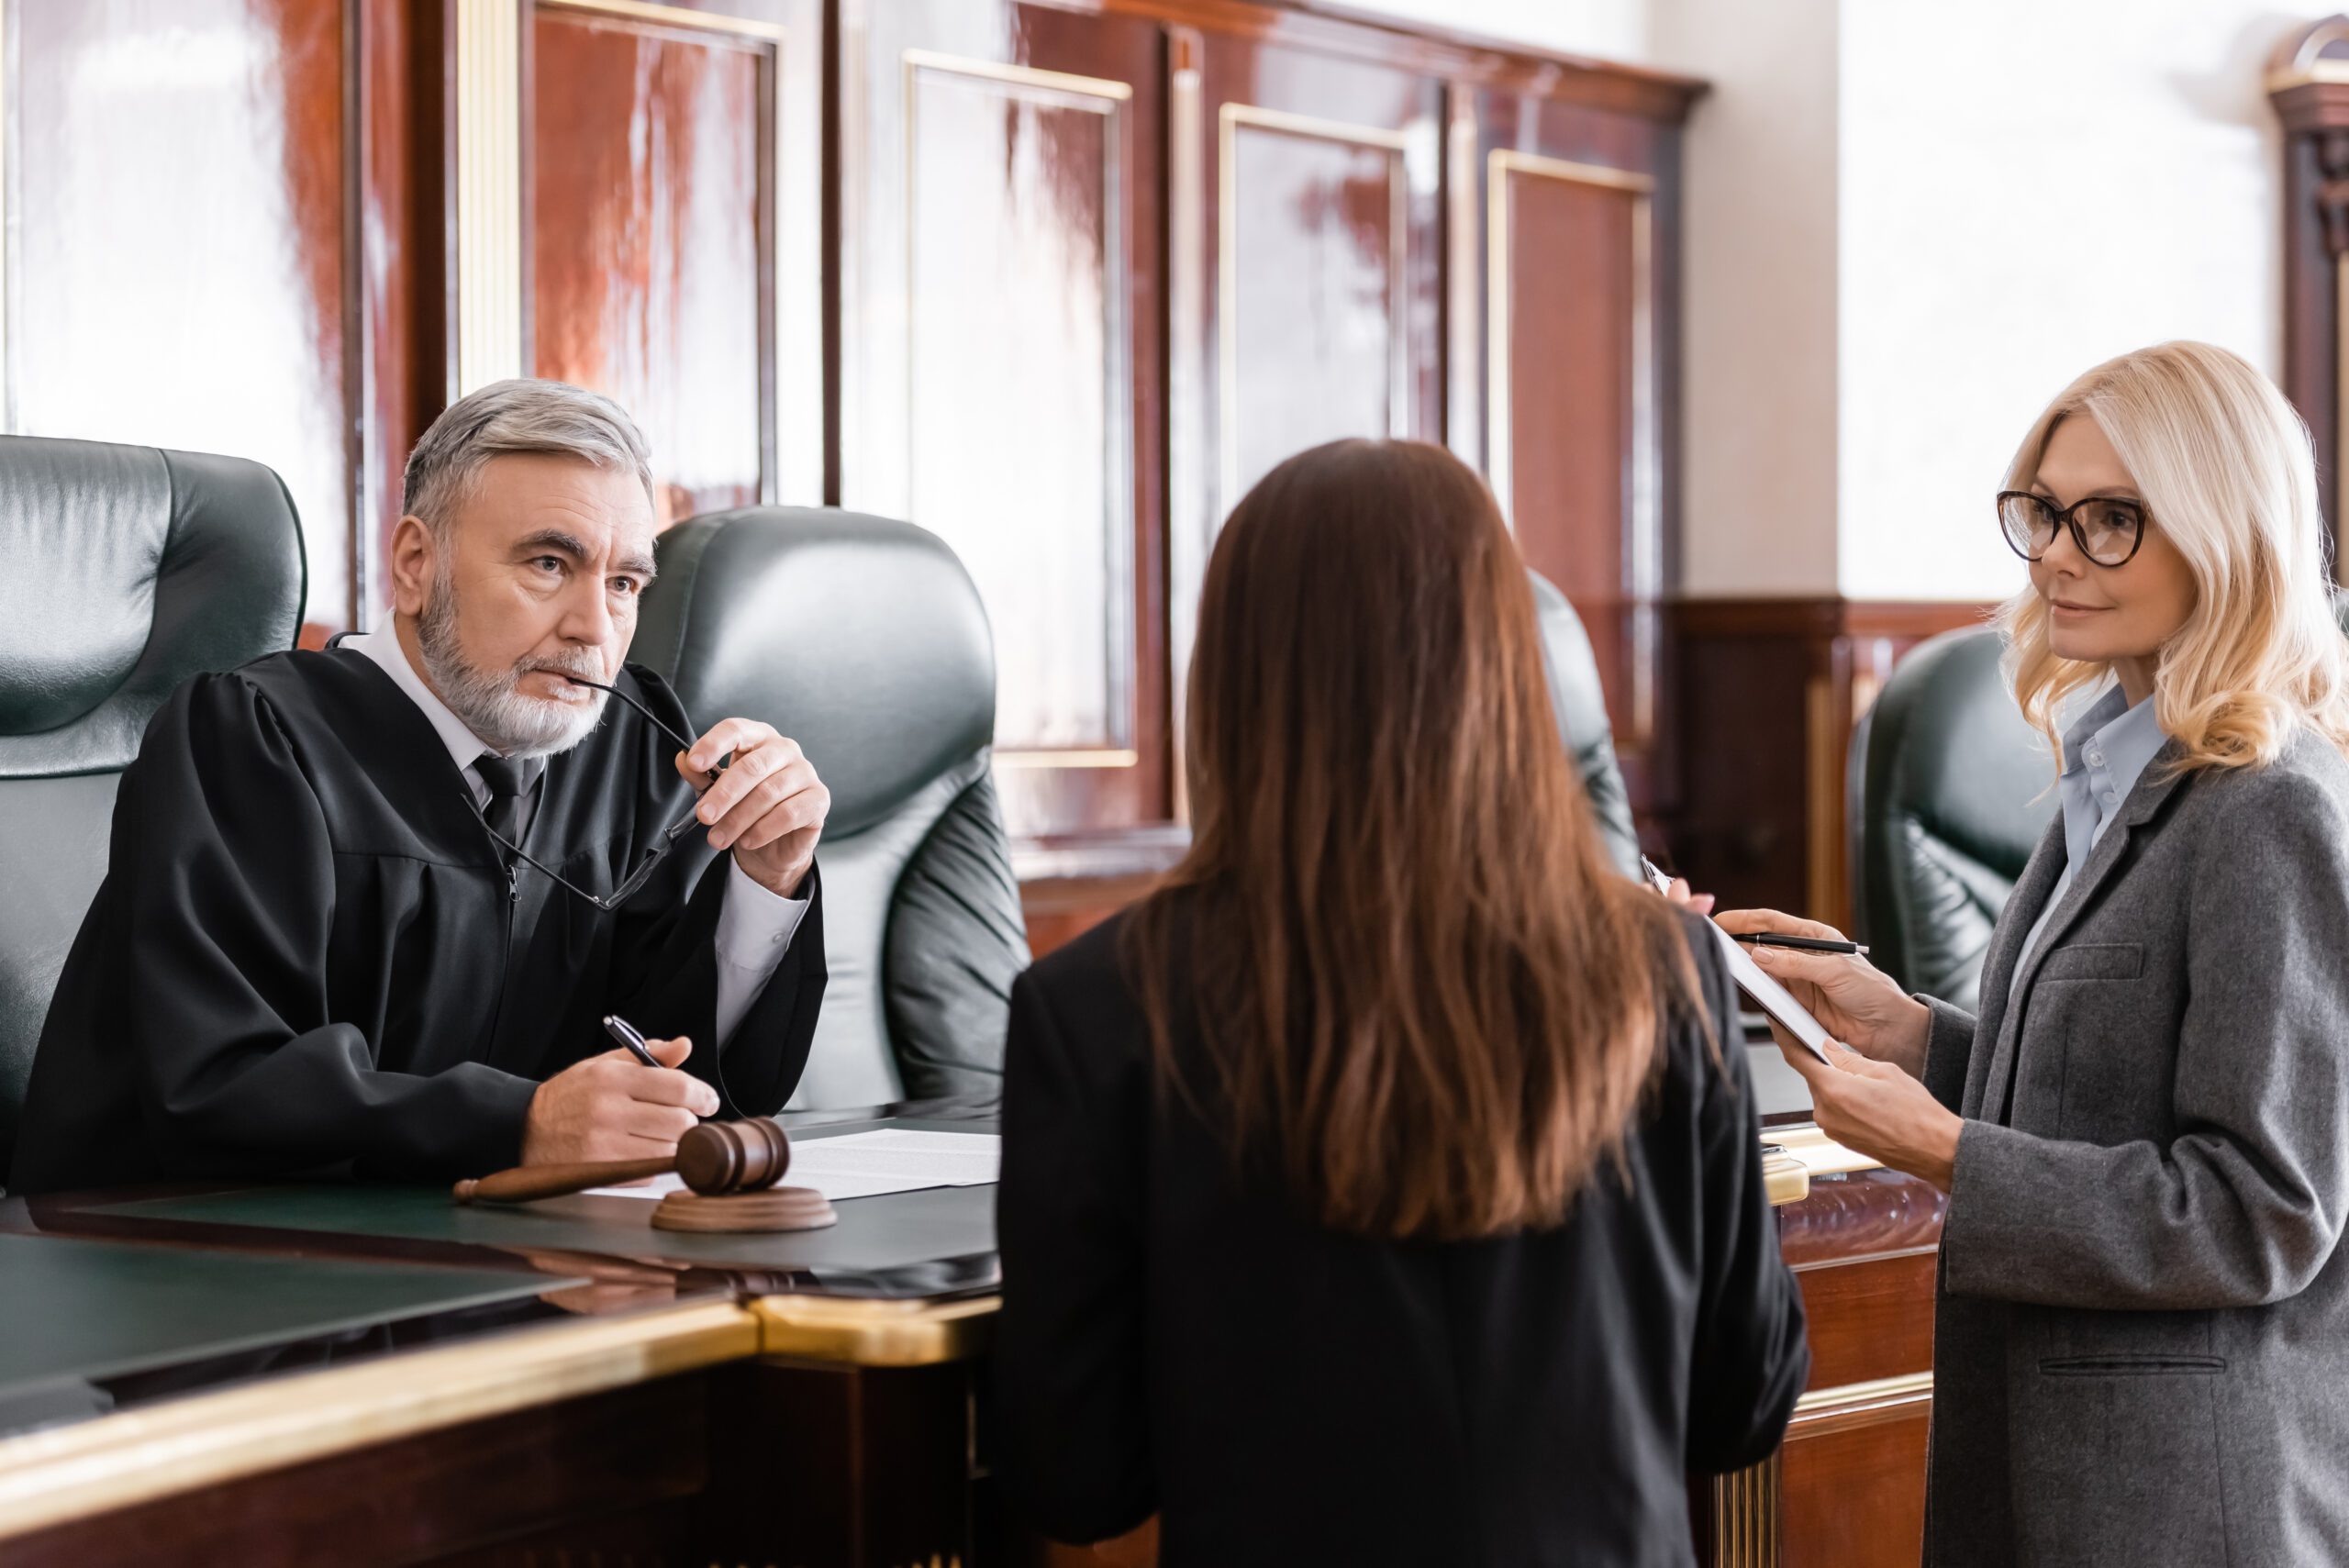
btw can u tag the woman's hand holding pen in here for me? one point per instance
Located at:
(1858, 1002)
(1869, 1099)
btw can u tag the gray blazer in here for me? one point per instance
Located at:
(2140, 1346)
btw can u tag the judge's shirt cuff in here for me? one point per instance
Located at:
(754, 931)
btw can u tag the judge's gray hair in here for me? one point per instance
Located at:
(553, 418)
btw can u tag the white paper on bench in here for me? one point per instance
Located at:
(866, 1164)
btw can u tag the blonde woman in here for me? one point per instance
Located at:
(2142, 1342)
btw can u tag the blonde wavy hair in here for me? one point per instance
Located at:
(2224, 465)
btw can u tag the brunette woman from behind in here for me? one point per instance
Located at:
(1380, 1189)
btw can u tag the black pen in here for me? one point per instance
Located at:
(620, 1029)
(1808, 944)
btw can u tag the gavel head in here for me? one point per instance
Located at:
(720, 1157)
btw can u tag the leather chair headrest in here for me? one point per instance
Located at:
(129, 569)
(860, 638)
(1953, 792)
(1579, 703)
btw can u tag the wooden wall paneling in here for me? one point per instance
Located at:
(399, 373)
(1579, 221)
(2308, 82)
(1852, 1482)
(1849, 1480)
(177, 269)
(1003, 366)
(1317, 247)
(1471, 61)
(1778, 684)
(670, 214)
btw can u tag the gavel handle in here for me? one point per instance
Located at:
(524, 1183)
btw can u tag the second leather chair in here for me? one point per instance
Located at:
(864, 640)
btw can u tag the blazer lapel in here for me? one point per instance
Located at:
(2030, 896)
(2160, 777)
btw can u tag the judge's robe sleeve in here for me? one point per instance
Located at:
(664, 980)
(223, 864)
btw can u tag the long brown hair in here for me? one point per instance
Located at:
(1415, 976)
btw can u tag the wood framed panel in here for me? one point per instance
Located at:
(633, 203)
(1002, 363)
(178, 263)
(1576, 216)
(1305, 241)
(2308, 83)
(1747, 674)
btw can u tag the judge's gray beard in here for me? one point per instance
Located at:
(490, 705)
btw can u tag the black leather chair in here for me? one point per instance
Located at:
(129, 570)
(864, 640)
(1950, 791)
(1580, 704)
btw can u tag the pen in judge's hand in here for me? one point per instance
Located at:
(627, 1033)
(1808, 944)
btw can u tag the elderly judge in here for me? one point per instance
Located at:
(367, 908)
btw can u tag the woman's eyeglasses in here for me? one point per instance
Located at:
(2106, 529)
(644, 869)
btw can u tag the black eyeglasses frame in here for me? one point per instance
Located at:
(2065, 518)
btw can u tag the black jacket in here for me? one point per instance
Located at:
(309, 957)
(1176, 1340)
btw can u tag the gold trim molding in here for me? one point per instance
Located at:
(180, 1445)
(1393, 143)
(1044, 757)
(876, 1333)
(671, 16)
(1646, 499)
(1850, 1406)
(1745, 1517)
(488, 346)
(8, 224)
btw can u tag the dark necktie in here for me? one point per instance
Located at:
(509, 783)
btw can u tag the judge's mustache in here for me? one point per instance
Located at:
(437, 630)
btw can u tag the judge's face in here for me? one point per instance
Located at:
(538, 571)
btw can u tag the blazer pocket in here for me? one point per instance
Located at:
(2095, 961)
(2124, 1365)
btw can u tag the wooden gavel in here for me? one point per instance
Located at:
(714, 1159)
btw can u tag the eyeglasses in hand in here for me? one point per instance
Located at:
(637, 878)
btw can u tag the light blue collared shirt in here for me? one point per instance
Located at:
(2104, 751)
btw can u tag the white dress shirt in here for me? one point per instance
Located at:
(755, 925)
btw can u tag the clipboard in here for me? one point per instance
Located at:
(1761, 988)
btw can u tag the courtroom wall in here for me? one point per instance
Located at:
(2027, 189)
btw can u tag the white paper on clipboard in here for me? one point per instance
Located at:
(1772, 997)
(1769, 995)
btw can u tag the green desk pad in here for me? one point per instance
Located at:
(95, 1309)
(874, 1234)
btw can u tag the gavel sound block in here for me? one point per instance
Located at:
(729, 1167)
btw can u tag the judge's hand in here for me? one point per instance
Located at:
(768, 806)
(1875, 1109)
(1857, 1001)
(615, 1107)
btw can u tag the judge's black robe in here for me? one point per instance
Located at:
(309, 956)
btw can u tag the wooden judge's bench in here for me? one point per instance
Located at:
(376, 1376)
(1847, 1489)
